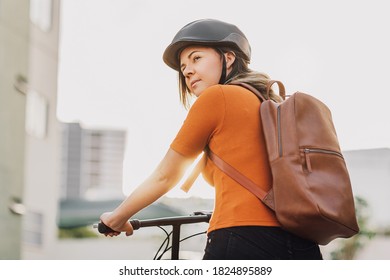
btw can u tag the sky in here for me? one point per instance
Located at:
(111, 73)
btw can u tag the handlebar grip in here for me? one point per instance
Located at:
(136, 224)
(102, 228)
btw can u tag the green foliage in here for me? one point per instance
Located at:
(79, 232)
(349, 247)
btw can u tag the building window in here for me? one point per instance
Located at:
(33, 228)
(41, 14)
(36, 114)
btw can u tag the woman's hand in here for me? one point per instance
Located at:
(118, 226)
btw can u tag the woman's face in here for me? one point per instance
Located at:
(201, 67)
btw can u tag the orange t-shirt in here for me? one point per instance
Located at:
(226, 118)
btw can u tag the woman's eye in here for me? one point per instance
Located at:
(196, 58)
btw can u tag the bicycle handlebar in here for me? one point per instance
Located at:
(196, 217)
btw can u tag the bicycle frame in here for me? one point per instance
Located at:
(175, 222)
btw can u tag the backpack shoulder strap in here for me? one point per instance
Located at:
(237, 176)
(282, 90)
(228, 170)
(252, 89)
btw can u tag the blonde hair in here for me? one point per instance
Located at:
(240, 74)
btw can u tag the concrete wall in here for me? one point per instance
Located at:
(370, 178)
(14, 42)
(42, 158)
(29, 131)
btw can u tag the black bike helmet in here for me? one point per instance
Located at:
(208, 32)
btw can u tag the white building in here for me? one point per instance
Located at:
(92, 162)
(29, 159)
(14, 60)
(370, 177)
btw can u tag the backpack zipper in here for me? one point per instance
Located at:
(307, 151)
(278, 112)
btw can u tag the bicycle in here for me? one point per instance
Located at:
(175, 222)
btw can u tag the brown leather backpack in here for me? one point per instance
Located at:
(311, 192)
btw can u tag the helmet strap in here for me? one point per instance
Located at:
(222, 80)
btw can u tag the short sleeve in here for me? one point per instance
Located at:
(204, 119)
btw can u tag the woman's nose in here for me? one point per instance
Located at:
(188, 71)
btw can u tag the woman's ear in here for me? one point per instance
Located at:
(230, 57)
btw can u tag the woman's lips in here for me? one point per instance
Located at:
(193, 83)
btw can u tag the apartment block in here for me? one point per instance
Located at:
(92, 162)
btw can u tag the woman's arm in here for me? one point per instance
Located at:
(167, 174)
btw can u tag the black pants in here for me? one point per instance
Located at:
(258, 243)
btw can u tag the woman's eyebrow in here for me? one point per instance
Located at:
(189, 56)
(192, 53)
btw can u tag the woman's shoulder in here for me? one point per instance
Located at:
(211, 97)
(214, 90)
(218, 91)
(219, 94)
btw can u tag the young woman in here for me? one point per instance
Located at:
(209, 56)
